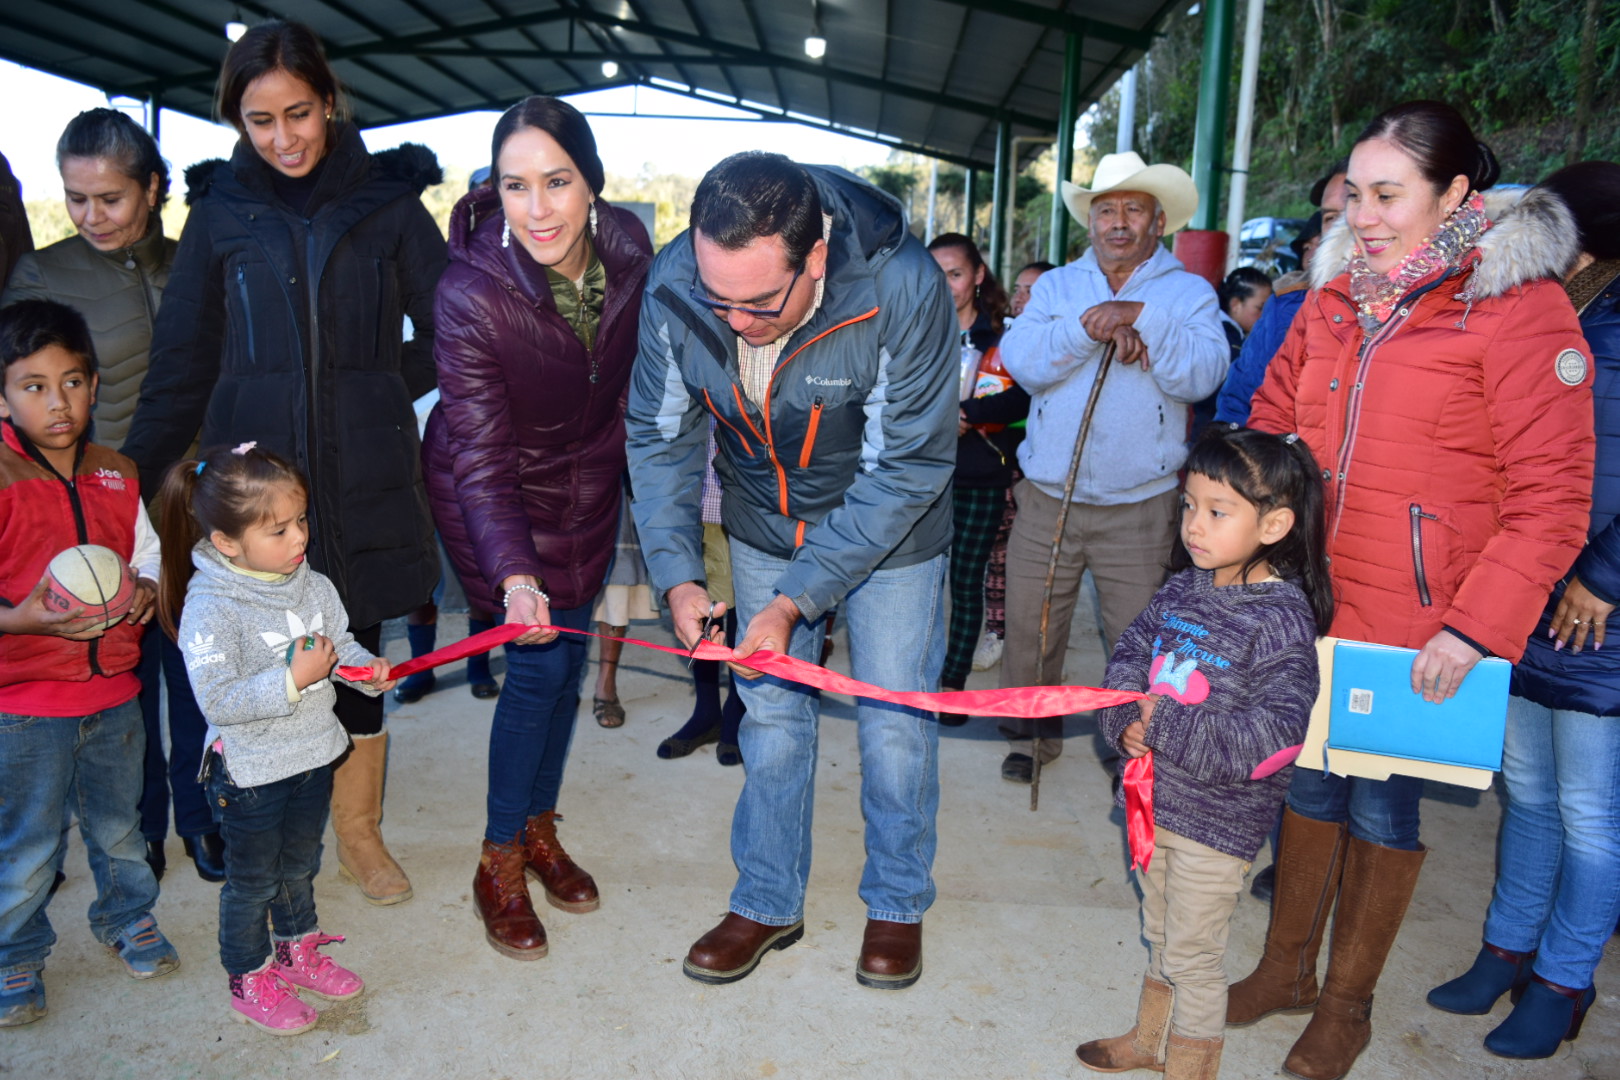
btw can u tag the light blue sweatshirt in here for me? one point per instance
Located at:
(236, 631)
(1139, 431)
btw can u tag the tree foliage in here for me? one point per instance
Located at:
(1513, 67)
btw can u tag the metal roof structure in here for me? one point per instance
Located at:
(934, 76)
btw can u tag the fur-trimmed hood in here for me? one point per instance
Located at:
(1532, 235)
(409, 163)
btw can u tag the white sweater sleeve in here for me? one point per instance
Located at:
(148, 555)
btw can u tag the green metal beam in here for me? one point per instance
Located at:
(766, 113)
(815, 70)
(434, 37)
(1209, 135)
(1001, 184)
(721, 52)
(1062, 20)
(589, 57)
(1057, 249)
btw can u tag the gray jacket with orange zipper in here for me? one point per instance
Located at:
(848, 467)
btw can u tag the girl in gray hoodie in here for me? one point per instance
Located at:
(262, 633)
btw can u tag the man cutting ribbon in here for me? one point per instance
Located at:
(802, 315)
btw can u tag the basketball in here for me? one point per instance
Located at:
(92, 577)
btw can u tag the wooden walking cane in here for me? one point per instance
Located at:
(1051, 563)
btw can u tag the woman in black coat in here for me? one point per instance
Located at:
(283, 323)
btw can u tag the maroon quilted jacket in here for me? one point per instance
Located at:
(525, 449)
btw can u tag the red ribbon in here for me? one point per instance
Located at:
(1138, 781)
(1032, 702)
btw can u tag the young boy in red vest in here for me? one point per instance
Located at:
(71, 736)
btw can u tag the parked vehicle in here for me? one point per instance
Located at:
(1263, 243)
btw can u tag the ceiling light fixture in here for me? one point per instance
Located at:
(236, 27)
(610, 69)
(815, 46)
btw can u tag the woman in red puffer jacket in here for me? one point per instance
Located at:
(538, 314)
(1443, 383)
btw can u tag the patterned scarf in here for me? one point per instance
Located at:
(1377, 294)
(1587, 285)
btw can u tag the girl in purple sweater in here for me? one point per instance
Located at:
(1227, 655)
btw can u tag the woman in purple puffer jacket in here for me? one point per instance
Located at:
(537, 317)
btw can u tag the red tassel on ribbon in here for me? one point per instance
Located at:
(1138, 781)
(1024, 701)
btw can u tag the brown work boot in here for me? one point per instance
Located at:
(1142, 1047)
(1193, 1059)
(1310, 863)
(732, 950)
(891, 955)
(1378, 886)
(357, 805)
(567, 886)
(501, 899)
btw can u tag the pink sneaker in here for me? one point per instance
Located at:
(301, 963)
(266, 999)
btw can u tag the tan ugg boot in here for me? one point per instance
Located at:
(1142, 1047)
(1310, 864)
(1193, 1059)
(1378, 886)
(357, 795)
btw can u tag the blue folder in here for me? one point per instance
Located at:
(1375, 711)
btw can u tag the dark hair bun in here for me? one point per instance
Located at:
(1439, 140)
(1490, 170)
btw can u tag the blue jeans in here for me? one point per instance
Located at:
(534, 723)
(163, 673)
(1558, 870)
(896, 624)
(1382, 812)
(50, 766)
(272, 852)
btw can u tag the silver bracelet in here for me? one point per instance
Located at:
(506, 598)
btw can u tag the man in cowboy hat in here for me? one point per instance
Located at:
(1127, 291)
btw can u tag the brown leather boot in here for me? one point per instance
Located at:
(567, 886)
(1378, 886)
(1310, 863)
(1193, 1059)
(501, 899)
(1142, 1047)
(357, 803)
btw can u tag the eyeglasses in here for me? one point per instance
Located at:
(722, 308)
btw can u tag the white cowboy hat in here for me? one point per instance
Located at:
(1175, 190)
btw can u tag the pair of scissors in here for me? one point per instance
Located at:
(703, 635)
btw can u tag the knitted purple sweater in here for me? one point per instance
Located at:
(1236, 671)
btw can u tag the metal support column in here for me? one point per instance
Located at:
(1001, 186)
(1243, 136)
(1125, 140)
(1068, 118)
(1209, 136)
(154, 114)
(970, 203)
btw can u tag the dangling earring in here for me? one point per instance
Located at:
(506, 234)
(593, 219)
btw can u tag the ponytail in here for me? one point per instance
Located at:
(226, 489)
(178, 532)
(1308, 562)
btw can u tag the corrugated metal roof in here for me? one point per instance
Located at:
(933, 76)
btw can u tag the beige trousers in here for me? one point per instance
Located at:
(1189, 892)
(1125, 547)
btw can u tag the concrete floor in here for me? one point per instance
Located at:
(1032, 946)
